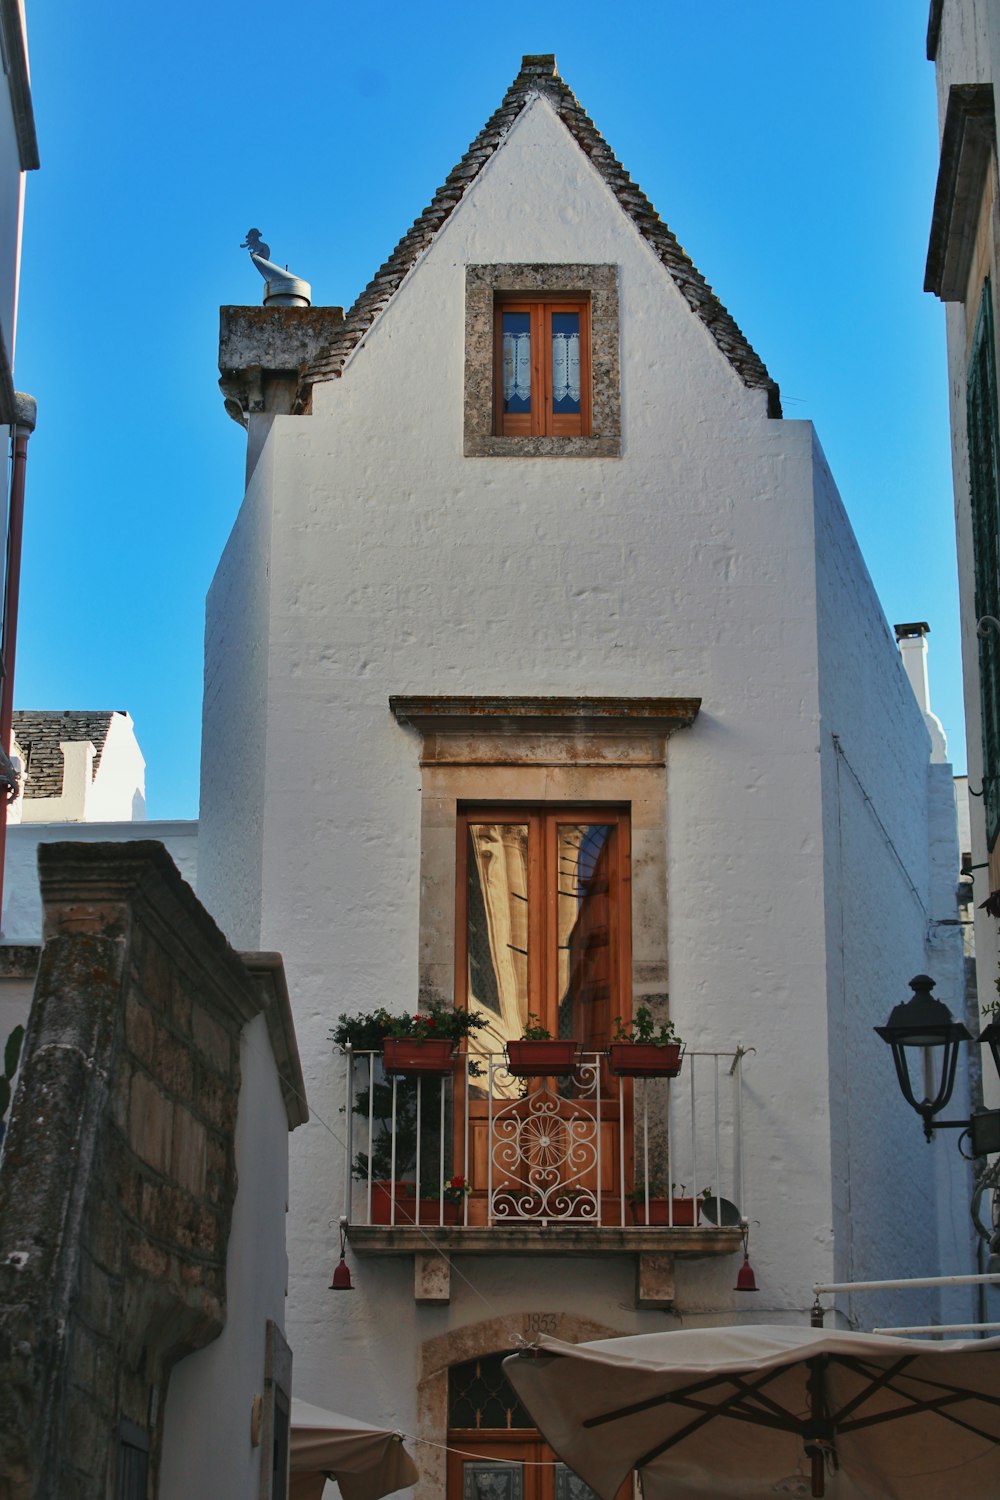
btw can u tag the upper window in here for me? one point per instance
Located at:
(542, 367)
(542, 370)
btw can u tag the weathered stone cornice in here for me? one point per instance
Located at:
(968, 145)
(432, 714)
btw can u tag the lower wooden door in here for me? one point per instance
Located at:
(512, 1466)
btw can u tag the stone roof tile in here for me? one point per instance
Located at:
(538, 76)
(39, 735)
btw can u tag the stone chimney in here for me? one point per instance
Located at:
(912, 642)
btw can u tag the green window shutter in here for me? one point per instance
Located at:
(984, 481)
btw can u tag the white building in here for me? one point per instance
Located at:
(18, 155)
(963, 261)
(78, 766)
(83, 778)
(531, 569)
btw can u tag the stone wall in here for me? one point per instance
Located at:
(118, 1177)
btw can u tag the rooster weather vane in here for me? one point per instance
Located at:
(280, 281)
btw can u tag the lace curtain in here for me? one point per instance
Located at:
(517, 367)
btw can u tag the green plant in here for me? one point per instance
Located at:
(534, 1031)
(366, 1033)
(363, 1033)
(643, 1028)
(11, 1054)
(380, 1097)
(438, 1023)
(658, 1190)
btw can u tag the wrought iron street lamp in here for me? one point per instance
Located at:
(925, 1026)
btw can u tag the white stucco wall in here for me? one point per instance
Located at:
(371, 558)
(206, 1426)
(891, 867)
(22, 908)
(235, 746)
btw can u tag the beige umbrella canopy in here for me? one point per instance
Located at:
(367, 1462)
(754, 1412)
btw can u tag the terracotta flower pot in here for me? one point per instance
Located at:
(659, 1213)
(541, 1059)
(430, 1211)
(383, 1194)
(408, 1210)
(645, 1060)
(412, 1057)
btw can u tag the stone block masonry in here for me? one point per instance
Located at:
(118, 1178)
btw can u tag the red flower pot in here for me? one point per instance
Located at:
(541, 1059)
(412, 1057)
(408, 1210)
(659, 1213)
(430, 1211)
(645, 1060)
(383, 1194)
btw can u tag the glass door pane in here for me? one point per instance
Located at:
(517, 362)
(585, 936)
(565, 362)
(497, 933)
(483, 1479)
(569, 1486)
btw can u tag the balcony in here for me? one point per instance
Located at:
(482, 1162)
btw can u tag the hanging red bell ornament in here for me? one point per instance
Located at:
(746, 1281)
(341, 1272)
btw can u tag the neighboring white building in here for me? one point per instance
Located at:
(78, 766)
(83, 777)
(963, 264)
(18, 155)
(531, 578)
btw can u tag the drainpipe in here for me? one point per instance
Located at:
(25, 412)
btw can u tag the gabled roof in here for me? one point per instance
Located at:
(39, 735)
(538, 76)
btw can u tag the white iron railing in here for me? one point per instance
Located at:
(541, 1147)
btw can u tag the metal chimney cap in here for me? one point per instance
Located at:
(290, 291)
(914, 628)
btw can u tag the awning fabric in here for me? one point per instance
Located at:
(754, 1411)
(367, 1462)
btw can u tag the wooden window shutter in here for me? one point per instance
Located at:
(984, 481)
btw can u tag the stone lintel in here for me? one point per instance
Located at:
(519, 715)
(431, 1278)
(967, 144)
(654, 1280)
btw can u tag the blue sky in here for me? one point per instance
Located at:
(792, 149)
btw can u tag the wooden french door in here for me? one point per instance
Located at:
(512, 1466)
(493, 1452)
(543, 937)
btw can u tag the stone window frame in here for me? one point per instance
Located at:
(547, 753)
(599, 284)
